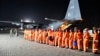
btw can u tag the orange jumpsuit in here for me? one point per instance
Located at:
(47, 40)
(40, 36)
(75, 41)
(71, 35)
(63, 39)
(29, 33)
(51, 37)
(33, 35)
(60, 39)
(56, 38)
(85, 41)
(44, 36)
(66, 39)
(36, 35)
(80, 40)
(95, 43)
(26, 34)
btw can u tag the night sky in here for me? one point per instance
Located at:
(14, 10)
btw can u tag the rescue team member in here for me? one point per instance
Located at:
(63, 39)
(51, 37)
(44, 36)
(85, 40)
(36, 35)
(71, 35)
(66, 39)
(47, 40)
(60, 38)
(95, 41)
(75, 38)
(29, 34)
(25, 33)
(56, 37)
(33, 35)
(40, 36)
(79, 40)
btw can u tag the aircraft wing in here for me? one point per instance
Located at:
(18, 23)
(11, 22)
(23, 24)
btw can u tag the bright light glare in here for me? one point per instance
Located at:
(46, 18)
(27, 20)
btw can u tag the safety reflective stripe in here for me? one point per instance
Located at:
(95, 49)
(96, 40)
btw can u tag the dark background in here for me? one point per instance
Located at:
(14, 10)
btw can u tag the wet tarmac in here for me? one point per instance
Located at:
(18, 46)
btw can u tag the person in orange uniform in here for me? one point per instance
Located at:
(99, 36)
(26, 34)
(66, 39)
(79, 40)
(51, 37)
(40, 36)
(56, 37)
(44, 36)
(85, 40)
(71, 35)
(95, 41)
(60, 38)
(47, 40)
(29, 34)
(36, 35)
(75, 38)
(63, 39)
(33, 35)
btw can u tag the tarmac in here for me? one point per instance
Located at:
(18, 46)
